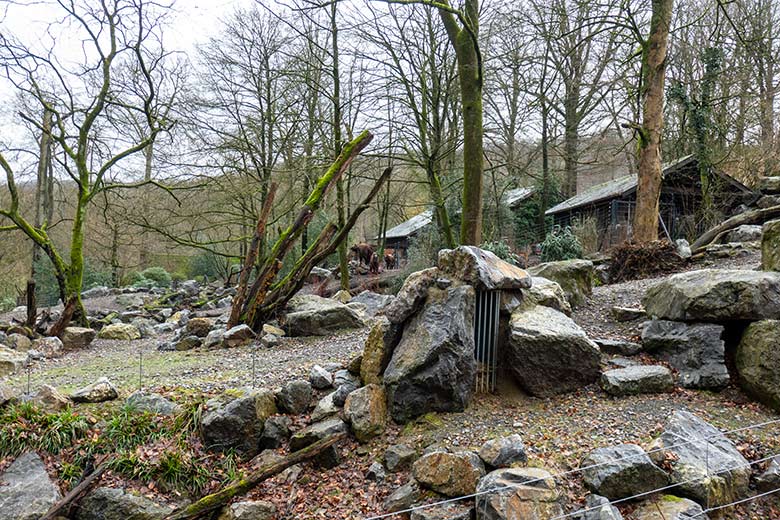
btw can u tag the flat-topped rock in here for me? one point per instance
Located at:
(482, 269)
(621, 471)
(312, 315)
(715, 295)
(77, 337)
(574, 276)
(638, 379)
(518, 493)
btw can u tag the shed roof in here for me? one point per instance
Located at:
(611, 189)
(411, 226)
(513, 198)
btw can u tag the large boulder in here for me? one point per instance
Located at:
(403, 497)
(744, 233)
(640, 379)
(97, 392)
(50, 346)
(758, 361)
(199, 327)
(503, 452)
(574, 276)
(120, 331)
(769, 480)
(11, 361)
(295, 397)
(239, 423)
(549, 354)
(399, 457)
(451, 474)
(77, 337)
(669, 507)
(312, 315)
(518, 493)
(366, 412)
(481, 269)
(548, 293)
(238, 336)
(715, 295)
(117, 504)
(411, 296)
(598, 508)
(697, 351)
(375, 303)
(704, 463)
(433, 366)
(249, 510)
(770, 246)
(152, 403)
(621, 471)
(26, 491)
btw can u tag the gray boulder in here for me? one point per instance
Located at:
(669, 507)
(574, 276)
(770, 185)
(548, 293)
(696, 351)
(275, 432)
(326, 407)
(639, 379)
(49, 347)
(758, 361)
(503, 452)
(710, 469)
(117, 504)
(715, 295)
(481, 269)
(518, 493)
(444, 512)
(624, 314)
(188, 343)
(744, 233)
(598, 508)
(239, 423)
(26, 491)
(98, 392)
(549, 354)
(366, 411)
(770, 246)
(433, 366)
(294, 397)
(770, 479)
(411, 296)
(249, 510)
(375, 303)
(214, 338)
(320, 378)
(18, 342)
(312, 315)
(621, 471)
(11, 361)
(450, 474)
(399, 457)
(316, 432)
(153, 403)
(238, 336)
(618, 346)
(403, 497)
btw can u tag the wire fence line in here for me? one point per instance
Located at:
(594, 466)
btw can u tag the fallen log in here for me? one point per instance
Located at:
(217, 500)
(758, 216)
(76, 493)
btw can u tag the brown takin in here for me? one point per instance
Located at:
(362, 253)
(389, 259)
(373, 265)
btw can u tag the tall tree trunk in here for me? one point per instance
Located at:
(342, 217)
(545, 195)
(649, 133)
(143, 254)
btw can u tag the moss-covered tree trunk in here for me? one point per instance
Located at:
(653, 76)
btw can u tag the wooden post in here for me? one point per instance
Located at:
(32, 309)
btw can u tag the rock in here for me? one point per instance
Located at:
(214, 338)
(50, 398)
(518, 493)
(769, 185)
(119, 331)
(624, 314)
(758, 361)
(316, 432)
(696, 351)
(451, 474)
(188, 343)
(343, 391)
(96, 292)
(683, 248)
(621, 362)
(117, 504)
(199, 327)
(190, 287)
(353, 366)
(770, 479)
(145, 326)
(153, 403)
(715, 295)
(669, 507)
(275, 432)
(239, 423)
(411, 296)
(26, 491)
(767, 201)
(598, 508)
(378, 349)
(11, 361)
(164, 328)
(249, 510)
(98, 392)
(403, 497)
(342, 296)
(312, 315)
(270, 329)
(376, 472)
(326, 407)
(617, 346)
(366, 412)
(770, 246)
(711, 471)
(320, 378)
(433, 366)
(549, 354)
(621, 471)
(444, 512)
(50, 346)
(481, 269)
(548, 293)
(635, 380)
(503, 452)
(179, 318)
(238, 336)
(574, 276)
(224, 303)
(7, 395)
(744, 233)
(375, 303)
(19, 342)
(399, 457)
(294, 397)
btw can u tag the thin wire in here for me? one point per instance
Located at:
(737, 502)
(573, 471)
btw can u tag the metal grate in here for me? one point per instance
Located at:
(486, 339)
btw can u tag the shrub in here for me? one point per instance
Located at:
(561, 244)
(503, 251)
(150, 278)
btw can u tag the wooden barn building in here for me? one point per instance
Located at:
(612, 204)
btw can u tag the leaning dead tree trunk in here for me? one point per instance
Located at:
(758, 216)
(215, 501)
(266, 294)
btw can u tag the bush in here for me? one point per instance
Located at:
(150, 278)
(561, 244)
(503, 251)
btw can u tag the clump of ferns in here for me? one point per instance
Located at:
(26, 427)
